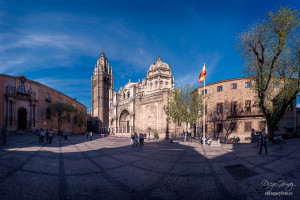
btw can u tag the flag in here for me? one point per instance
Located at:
(253, 104)
(202, 74)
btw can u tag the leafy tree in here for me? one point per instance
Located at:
(61, 111)
(81, 119)
(184, 106)
(270, 50)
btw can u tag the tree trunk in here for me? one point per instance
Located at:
(185, 133)
(271, 131)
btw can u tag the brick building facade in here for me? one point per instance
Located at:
(231, 108)
(24, 105)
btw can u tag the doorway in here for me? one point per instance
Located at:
(22, 119)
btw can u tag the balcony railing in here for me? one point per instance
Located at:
(14, 92)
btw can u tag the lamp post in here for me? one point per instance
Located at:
(149, 129)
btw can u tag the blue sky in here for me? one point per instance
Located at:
(57, 43)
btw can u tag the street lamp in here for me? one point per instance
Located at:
(149, 129)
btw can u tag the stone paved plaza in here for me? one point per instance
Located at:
(109, 168)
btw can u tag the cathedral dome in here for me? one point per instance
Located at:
(159, 65)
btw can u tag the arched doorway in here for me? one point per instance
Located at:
(22, 119)
(124, 122)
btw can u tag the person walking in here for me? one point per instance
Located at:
(4, 133)
(263, 139)
(132, 140)
(47, 136)
(135, 139)
(50, 136)
(65, 134)
(141, 139)
(42, 136)
(91, 135)
(253, 132)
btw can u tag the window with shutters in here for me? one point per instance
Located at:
(233, 127)
(219, 108)
(247, 126)
(233, 108)
(233, 86)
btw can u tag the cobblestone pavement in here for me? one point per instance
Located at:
(109, 168)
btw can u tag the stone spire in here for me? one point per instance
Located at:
(102, 63)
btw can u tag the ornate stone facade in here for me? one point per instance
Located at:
(139, 106)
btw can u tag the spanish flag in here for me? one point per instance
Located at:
(202, 74)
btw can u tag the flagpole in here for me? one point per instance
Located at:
(203, 139)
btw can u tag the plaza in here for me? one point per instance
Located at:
(109, 168)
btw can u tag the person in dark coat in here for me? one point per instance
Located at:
(4, 133)
(263, 139)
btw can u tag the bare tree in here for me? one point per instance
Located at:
(270, 50)
(225, 117)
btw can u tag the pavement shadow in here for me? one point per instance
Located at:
(110, 168)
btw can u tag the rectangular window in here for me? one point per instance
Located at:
(48, 115)
(233, 127)
(248, 84)
(219, 88)
(48, 97)
(233, 108)
(68, 117)
(247, 126)
(22, 89)
(59, 99)
(233, 86)
(261, 125)
(220, 128)
(220, 108)
(201, 129)
(248, 106)
(203, 91)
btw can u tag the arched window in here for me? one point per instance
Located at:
(166, 84)
(128, 94)
(123, 95)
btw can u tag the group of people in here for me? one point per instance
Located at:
(137, 140)
(48, 134)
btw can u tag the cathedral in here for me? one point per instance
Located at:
(138, 106)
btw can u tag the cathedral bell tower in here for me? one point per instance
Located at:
(102, 90)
